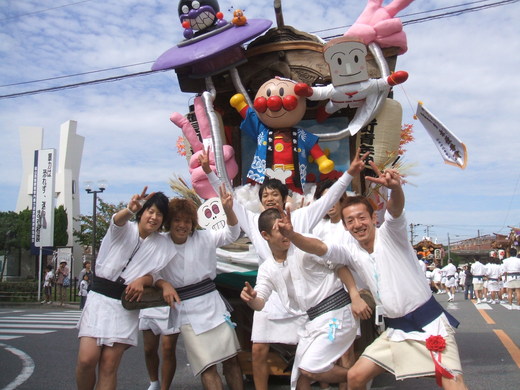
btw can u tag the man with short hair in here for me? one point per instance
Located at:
(307, 283)
(275, 324)
(479, 271)
(512, 276)
(493, 272)
(414, 319)
(451, 281)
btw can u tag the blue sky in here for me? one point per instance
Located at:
(463, 68)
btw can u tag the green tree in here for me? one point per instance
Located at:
(8, 229)
(61, 237)
(104, 212)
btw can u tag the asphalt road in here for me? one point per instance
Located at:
(38, 348)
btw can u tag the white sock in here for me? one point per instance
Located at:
(156, 385)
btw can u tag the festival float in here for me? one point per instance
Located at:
(272, 101)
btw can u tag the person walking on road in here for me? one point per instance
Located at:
(130, 252)
(512, 275)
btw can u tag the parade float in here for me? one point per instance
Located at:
(233, 69)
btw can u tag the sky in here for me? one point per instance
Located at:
(463, 68)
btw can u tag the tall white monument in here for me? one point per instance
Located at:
(67, 175)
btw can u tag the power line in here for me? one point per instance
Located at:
(75, 74)
(139, 74)
(81, 84)
(42, 11)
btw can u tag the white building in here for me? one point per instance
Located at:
(68, 166)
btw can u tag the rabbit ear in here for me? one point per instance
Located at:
(187, 129)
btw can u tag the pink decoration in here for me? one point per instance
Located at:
(199, 179)
(377, 24)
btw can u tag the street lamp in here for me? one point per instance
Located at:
(88, 187)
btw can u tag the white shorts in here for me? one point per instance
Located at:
(451, 282)
(323, 341)
(513, 283)
(157, 325)
(209, 348)
(106, 320)
(493, 285)
(274, 325)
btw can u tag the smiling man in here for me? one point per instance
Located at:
(386, 261)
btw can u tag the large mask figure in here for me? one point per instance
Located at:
(282, 150)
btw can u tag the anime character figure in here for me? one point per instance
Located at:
(199, 16)
(199, 179)
(351, 87)
(282, 149)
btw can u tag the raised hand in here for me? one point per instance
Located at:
(389, 178)
(358, 164)
(204, 160)
(226, 198)
(137, 201)
(284, 224)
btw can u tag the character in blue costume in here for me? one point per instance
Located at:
(280, 146)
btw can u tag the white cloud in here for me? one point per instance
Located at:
(463, 68)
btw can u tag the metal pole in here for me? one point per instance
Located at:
(40, 273)
(449, 252)
(94, 217)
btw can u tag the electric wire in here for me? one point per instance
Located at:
(140, 74)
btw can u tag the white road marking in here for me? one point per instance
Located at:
(27, 367)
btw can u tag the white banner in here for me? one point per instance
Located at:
(452, 150)
(43, 198)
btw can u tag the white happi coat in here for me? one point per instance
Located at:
(195, 261)
(393, 275)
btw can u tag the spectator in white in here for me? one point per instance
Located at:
(87, 269)
(493, 273)
(414, 319)
(437, 278)
(308, 283)
(450, 271)
(422, 263)
(47, 284)
(201, 314)
(83, 291)
(512, 277)
(478, 270)
(129, 254)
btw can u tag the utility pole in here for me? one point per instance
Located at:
(412, 236)
(449, 244)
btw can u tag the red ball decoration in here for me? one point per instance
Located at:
(260, 104)
(274, 103)
(290, 102)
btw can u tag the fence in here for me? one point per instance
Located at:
(27, 291)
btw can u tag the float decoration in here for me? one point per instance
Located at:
(199, 179)
(351, 87)
(282, 149)
(452, 150)
(215, 47)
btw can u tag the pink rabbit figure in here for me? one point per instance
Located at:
(377, 24)
(199, 179)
